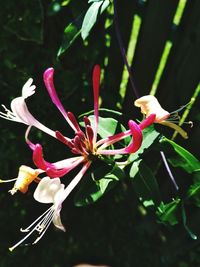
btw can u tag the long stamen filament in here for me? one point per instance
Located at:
(181, 108)
(41, 227)
(47, 224)
(175, 127)
(8, 181)
(44, 222)
(8, 115)
(41, 216)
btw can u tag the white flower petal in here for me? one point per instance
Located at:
(58, 196)
(28, 89)
(57, 221)
(21, 112)
(149, 105)
(47, 189)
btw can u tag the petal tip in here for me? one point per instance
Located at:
(48, 73)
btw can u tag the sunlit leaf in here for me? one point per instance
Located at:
(71, 32)
(107, 126)
(149, 137)
(91, 1)
(194, 189)
(183, 158)
(167, 213)
(96, 8)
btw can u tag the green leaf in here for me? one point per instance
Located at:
(71, 32)
(184, 218)
(149, 137)
(108, 127)
(91, 1)
(194, 190)
(167, 213)
(97, 7)
(144, 183)
(103, 112)
(184, 158)
(96, 183)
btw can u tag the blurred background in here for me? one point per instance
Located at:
(162, 41)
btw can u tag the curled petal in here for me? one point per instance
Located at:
(39, 160)
(53, 172)
(112, 139)
(20, 110)
(57, 169)
(23, 115)
(57, 221)
(48, 81)
(137, 137)
(148, 121)
(28, 89)
(132, 147)
(150, 105)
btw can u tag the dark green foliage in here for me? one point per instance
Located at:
(135, 218)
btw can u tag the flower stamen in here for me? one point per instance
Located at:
(8, 115)
(41, 227)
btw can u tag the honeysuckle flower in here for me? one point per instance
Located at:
(50, 191)
(19, 111)
(150, 105)
(84, 145)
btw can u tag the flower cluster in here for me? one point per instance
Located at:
(85, 146)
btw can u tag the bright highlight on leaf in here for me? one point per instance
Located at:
(96, 8)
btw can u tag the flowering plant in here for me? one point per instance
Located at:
(84, 145)
(93, 146)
